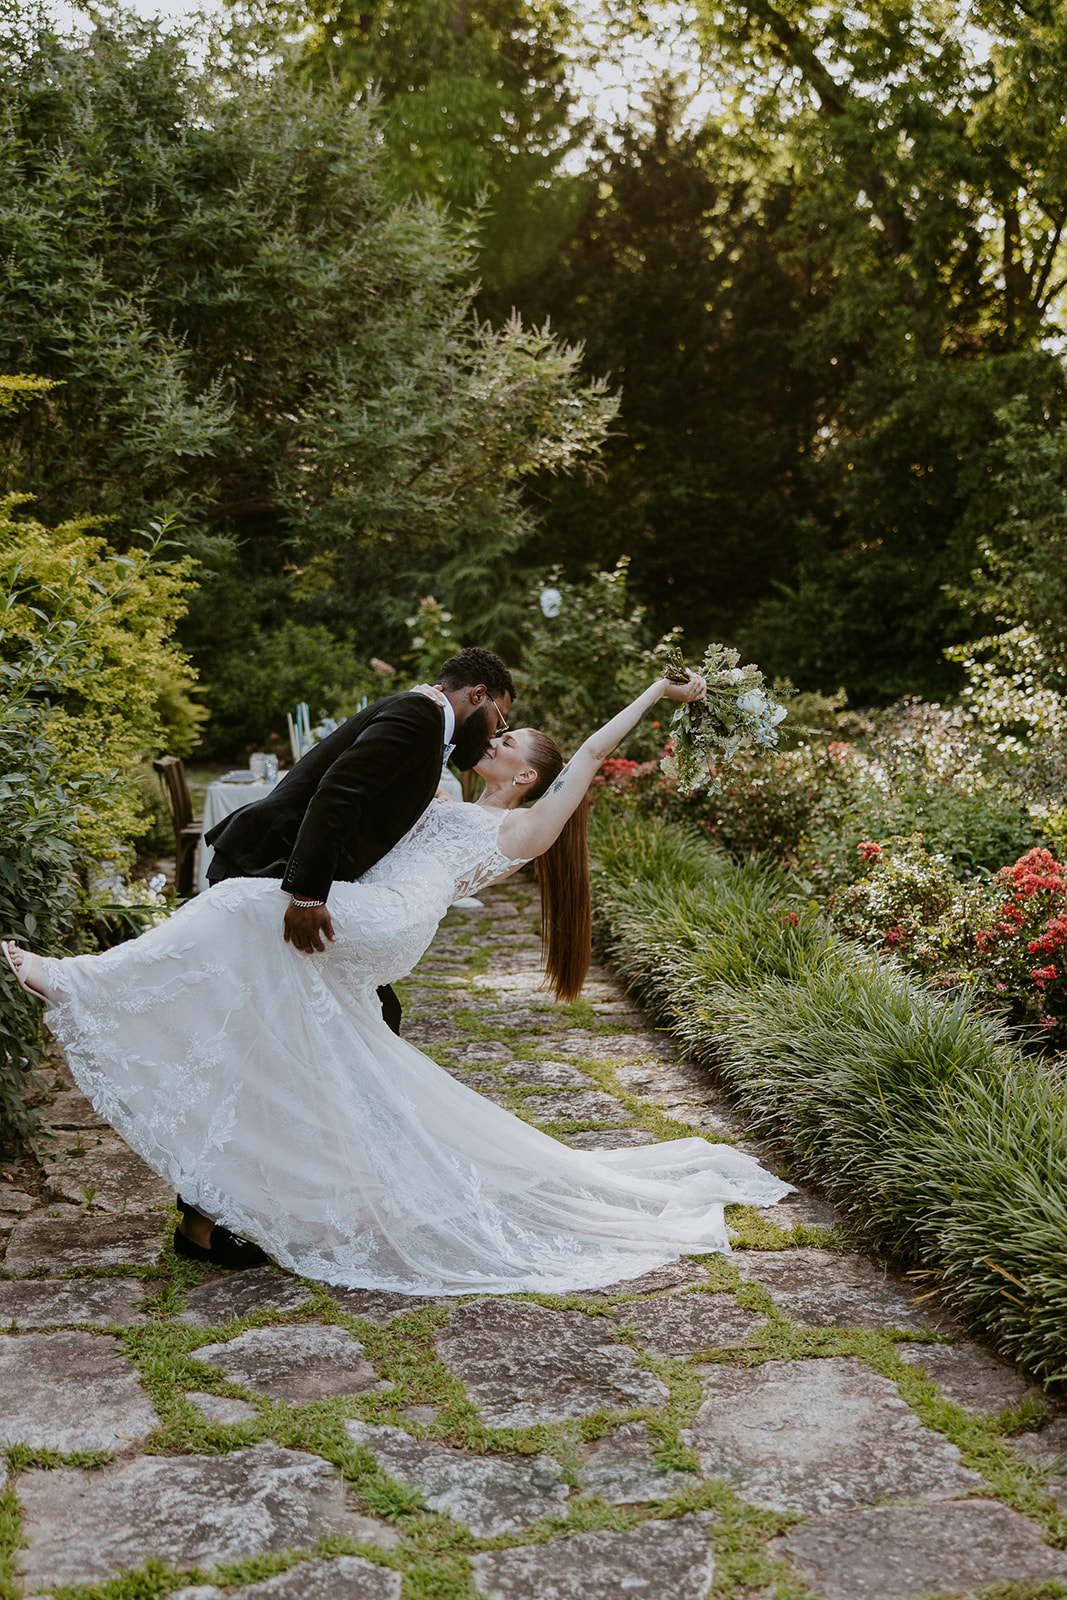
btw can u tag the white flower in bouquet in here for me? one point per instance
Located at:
(706, 734)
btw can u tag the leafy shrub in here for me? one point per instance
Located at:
(104, 694)
(84, 647)
(39, 887)
(917, 1116)
(903, 901)
(251, 690)
(918, 769)
(588, 654)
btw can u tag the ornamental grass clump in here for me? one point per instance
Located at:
(942, 1141)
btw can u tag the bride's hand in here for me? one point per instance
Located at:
(695, 688)
(431, 693)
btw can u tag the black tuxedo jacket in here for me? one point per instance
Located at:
(344, 804)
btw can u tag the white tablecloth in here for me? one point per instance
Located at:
(220, 800)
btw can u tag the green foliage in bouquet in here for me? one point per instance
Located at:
(708, 734)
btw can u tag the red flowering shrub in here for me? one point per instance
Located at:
(637, 783)
(1024, 942)
(901, 901)
(1004, 937)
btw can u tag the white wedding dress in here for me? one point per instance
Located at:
(265, 1087)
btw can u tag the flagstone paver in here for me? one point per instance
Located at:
(679, 1325)
(491, 1494)
(820, 1435)
(650, 1563)
(678, 1274)
(347, 1578)
(622, 1468)
(298, 1364)
(70, 1391)
(184, 1510)
(825, 1290)
(524, 1364)
(47, 1302)
(380, 1306)
(627, 1404)
(238, 1294)
(897, 1551)
(61, 1244)
(72, 1109)
(221, 1407)
(15, 1202)
(587, 1105)
(1047, 1450)
(969, 1376)
(106, 1173)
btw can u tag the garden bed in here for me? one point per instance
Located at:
(944, 1143)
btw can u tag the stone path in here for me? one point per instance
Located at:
(792, 1421)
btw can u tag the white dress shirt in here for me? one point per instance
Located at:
(450, 729)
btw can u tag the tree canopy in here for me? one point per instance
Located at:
(247, 331)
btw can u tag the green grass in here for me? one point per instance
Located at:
(943, 1144)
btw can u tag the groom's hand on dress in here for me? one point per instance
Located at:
(305, 926)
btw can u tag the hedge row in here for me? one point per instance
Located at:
(942, 1143)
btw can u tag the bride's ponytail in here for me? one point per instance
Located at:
(563, 874)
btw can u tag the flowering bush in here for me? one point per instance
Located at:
(588, 652)
(116, 908)
(1023, 941)
(907, 903)
(1004, 937)
(623, 777)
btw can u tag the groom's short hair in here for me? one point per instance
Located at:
(471, 666)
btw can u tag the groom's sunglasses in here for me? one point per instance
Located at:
(501, 720)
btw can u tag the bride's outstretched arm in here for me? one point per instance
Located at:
(529, 833)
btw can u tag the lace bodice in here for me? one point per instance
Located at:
(452, 844)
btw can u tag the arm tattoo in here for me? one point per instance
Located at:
(558, 785)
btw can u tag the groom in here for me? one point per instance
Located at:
(350, 798)
(341, 808)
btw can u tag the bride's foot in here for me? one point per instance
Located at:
(28, 969)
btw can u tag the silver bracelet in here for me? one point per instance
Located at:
(305, 904)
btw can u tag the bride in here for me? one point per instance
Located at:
(263, 1084)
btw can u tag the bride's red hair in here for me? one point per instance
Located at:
(563, 874)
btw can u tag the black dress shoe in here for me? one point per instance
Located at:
(226, 1249)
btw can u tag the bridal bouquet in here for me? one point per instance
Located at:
(739, 710)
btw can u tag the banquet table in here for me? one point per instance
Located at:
(223, 798)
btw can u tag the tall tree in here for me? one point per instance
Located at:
(476, 100)
(675, 282)
(245, 329)
(927, 152)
